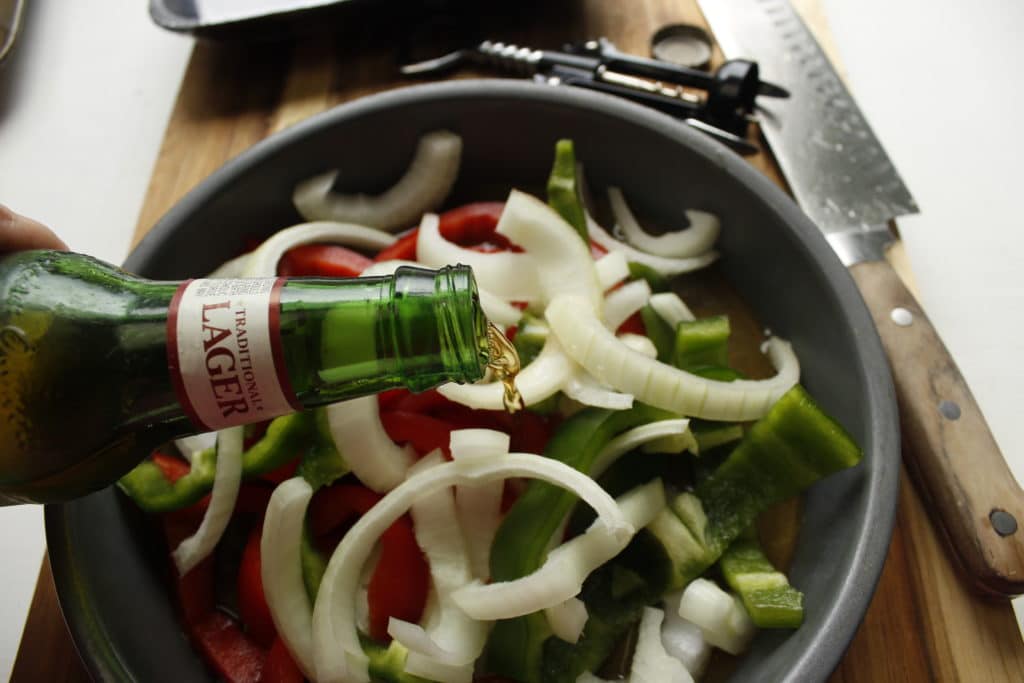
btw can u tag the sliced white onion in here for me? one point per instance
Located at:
(568, 619)
(567, 566)
(612, 268)
(230, 269)
(509, 275)
(624, 302)
(694, 240)
(263, 261)
(651, 664)
(563, 260)
(440, 537)
(683, 639)
(720, 615)
(191, 446)
(281, 569)
(671, 308)
(589, 343)
(664, 265)
(479, 506)
(583, 388)
(359, 436)
(226, 482)
(336, 650)
(426, 658)
(497, 311)
(634, 438)
(422, 188)
(543, 377)
(639, 343)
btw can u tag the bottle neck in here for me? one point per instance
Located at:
(416, 329)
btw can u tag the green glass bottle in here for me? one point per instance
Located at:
(98, 367)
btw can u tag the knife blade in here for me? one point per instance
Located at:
(844, 181)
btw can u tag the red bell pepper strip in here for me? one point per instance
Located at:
(423, 402)
(173, 468)
(634, 324)
(322, 260)
(252, 602)
(423, 432)
(236, 658)
(387, 399)
(280, 667)
(400, 581)
(470, 225)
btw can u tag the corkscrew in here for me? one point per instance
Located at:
(724, 110)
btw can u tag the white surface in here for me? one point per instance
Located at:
(85, 101)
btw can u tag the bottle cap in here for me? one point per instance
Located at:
(682, 44)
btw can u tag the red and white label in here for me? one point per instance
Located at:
(224, 352)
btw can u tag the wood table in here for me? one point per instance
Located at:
(923, 623)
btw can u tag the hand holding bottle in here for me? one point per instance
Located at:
(18, 232)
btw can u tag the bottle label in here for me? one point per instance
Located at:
(224, 352)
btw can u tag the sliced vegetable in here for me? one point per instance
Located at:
(623, 302)
(639, 343)
(766, 594)
(252, 601)
(236, 658)
(337, 650)
(582, 387)
(282, 575)
(542, 378)
(280, 667)
(422, 188)
(264, 261)
(661, 264)
(612, 268)
(720, 616)
(634, 438)
(567, 566)
(671, 308)
(594, 347)
(479, 506)
(702, 342)
(509, 275)
(359, 435)
(322, 260)
(640, 271)
(659, 332)
(698, 238)
(651, 664)
(567, 619)
(563, 264)
(683, 639)
(564, 190)
(227, 479)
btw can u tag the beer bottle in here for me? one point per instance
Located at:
(98, 366)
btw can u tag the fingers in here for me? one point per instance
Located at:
(18, 232)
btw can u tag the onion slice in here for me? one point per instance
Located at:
(337, 653)
(639, 343)
(479, 506)
(509, 275)
(567, 566)
(583, 388)
(693, 241)
(664, 265)
(671, 308)
(263, 261)
(423, 187)
(650, 661)
(543, 377)
(634, 438)
(624, 302)
(612, 268)
(568, 619)
(359, 436)
(226, 482)
(281, 569)
(563, 261)
(592, 345)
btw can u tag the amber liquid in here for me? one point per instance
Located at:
(503, 360)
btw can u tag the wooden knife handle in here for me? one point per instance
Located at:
(946, 441)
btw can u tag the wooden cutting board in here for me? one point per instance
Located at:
(923, 623)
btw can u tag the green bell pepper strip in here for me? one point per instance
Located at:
(786, 451)
(642, 271)
(766, 593)
(322, 464)
(702, 342)
(659, 332)
(287, 437)
(564, 189)
(515, 646)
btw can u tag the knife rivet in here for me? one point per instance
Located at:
(1003, 522)
(901, 316)
(949, 410)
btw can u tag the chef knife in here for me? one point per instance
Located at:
(842, 178)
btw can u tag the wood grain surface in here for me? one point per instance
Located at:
(923, 624)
